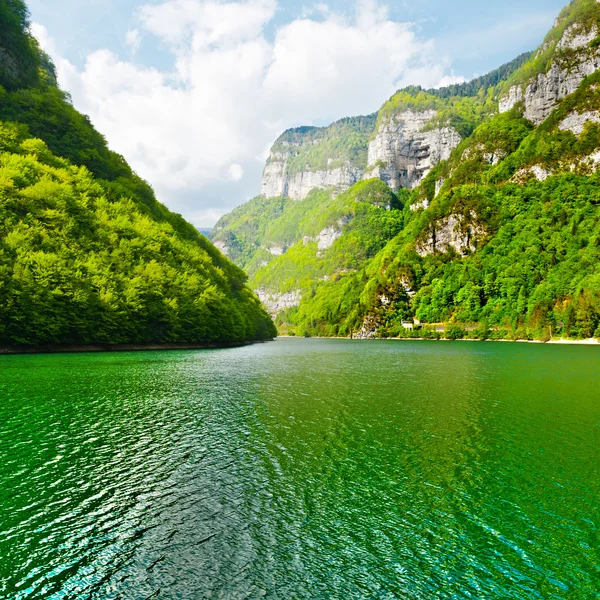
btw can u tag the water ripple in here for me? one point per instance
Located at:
(302, 469)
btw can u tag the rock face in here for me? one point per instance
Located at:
(306, 158)
(222, 246)
(329, 235)
(455, 231)
(543, 93)
(277, 303)
(402, 153)
(277, 182)
(576, 122)
(276, 250)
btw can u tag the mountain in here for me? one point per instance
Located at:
(493, 223)
(87, 253)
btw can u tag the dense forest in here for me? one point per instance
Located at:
(87, 253)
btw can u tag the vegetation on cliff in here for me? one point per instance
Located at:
(345, 142)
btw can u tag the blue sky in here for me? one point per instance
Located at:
(193, 92)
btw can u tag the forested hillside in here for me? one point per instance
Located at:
(87, 253)
(498, 233)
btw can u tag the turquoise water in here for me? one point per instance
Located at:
(302, 469)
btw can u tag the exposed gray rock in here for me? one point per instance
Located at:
(439, 184)
(222, 246)
(277, 303)
(368, 329)
(401, 154)
(576, 37)
(274, 183)
(537, 171)
(276, 250)
(422, 204)
(277, 182)
(515, 95)
(576, 122)
(544, 92)
(454, 231)
(329, 235)
(493, 158)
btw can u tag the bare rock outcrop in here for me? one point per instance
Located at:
(404, 151)
(277, 181)
(276, 303)
(576, 122)
(454, 231)
(542, 94)
(222, 246)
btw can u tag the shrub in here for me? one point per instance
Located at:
(454, 332)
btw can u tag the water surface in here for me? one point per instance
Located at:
(302, 469)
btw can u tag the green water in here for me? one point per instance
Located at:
(302, 469)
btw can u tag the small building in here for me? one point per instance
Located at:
(411, 325)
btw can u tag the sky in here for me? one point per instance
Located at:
(194, 92)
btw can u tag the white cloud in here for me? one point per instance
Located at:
(451, 80)
(236, 172)
(133, 39)
(232, 90)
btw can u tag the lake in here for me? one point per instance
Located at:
(302, 469)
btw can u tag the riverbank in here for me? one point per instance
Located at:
(90, 348)
(588, 342)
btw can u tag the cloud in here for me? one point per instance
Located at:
(236, 172)
(134, 40)
(204, 125)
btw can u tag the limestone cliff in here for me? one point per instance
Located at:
(568, 56)
(404, 149)
(401, 151)
(277, 182)
(306, 158)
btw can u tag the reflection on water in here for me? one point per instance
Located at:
(302, 469)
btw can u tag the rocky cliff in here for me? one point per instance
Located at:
(278, 182)
(400, 150)
(306, 158)
(477, 204)
(404, 150)
(569, 54)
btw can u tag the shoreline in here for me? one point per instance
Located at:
(105, 348)
(563, 342)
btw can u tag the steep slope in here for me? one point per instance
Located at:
(392, 150)
(503, 235)
(318, 157)
(87, 254)
(502, 215)
(288, 246)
